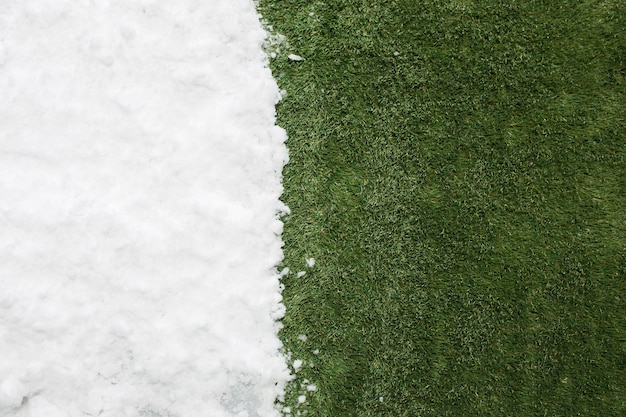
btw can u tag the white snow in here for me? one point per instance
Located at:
(297, 364)
(310, 262)
(140, 171)
(294, 57)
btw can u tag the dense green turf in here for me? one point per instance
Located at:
(458, 171)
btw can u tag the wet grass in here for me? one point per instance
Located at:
(458, 171)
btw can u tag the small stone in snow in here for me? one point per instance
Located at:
(294, 57)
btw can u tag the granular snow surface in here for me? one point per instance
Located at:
(140, 170)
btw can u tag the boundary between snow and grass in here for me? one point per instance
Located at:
(456, 169)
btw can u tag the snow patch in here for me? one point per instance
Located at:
(140, 173)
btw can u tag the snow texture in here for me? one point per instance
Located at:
(140, 170)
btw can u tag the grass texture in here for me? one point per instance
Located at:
(458, 171)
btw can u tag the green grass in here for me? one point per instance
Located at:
(458, 171)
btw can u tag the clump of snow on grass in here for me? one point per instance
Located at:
(301, 274)
(297, 364)
(316, 352)
(294, 57)
(310, 262)
(302, 338)
(140, 174)
(301, 399)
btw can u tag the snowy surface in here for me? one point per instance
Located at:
(139, 191)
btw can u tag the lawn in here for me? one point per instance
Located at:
(458, 172)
